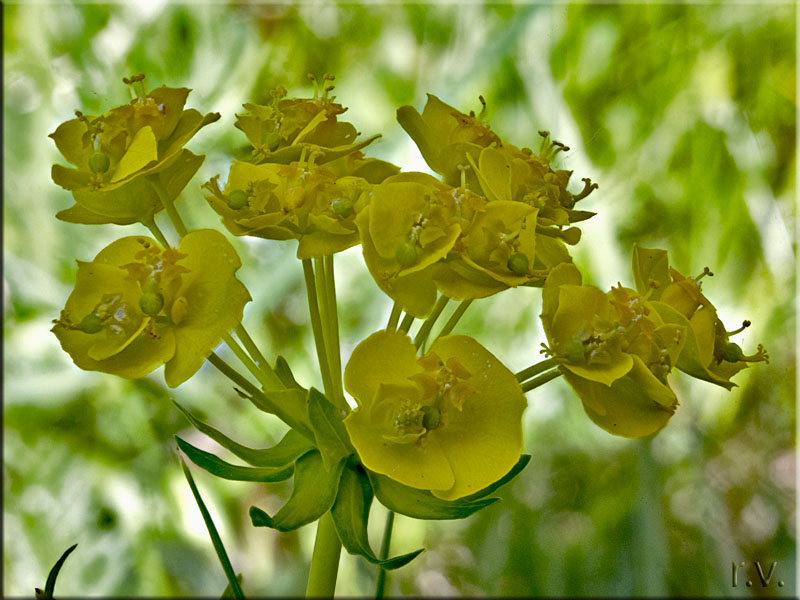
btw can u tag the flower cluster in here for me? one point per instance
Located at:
(617, 348)
(117, 155)
(285, 192)
(498, 219)
(137, 306)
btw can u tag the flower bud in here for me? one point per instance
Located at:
(406, 254)
(99, 162)
(151, 303)
(518, 263)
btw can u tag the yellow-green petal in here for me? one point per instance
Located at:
(142, 151)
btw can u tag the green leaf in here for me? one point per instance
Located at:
(313, 495)
(350, 514)
(421, 504)
(212, 532)
(285, 374)
(50, 586)
(290, 448)
(220, 468)
(229, 593)
(329, 431)
(515, 470)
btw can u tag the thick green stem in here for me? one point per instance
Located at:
(427, 325)
(406, 323)
(454, 318)
(169, 205)
(324, 560)
(535, 369)
(316, 326)
(380, 587)
(541, 380)
(157, 233)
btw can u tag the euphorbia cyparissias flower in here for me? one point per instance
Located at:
(614, 350)
(137, 306)
(296, 201)
(449, 422)
(111, 153)
(708, 353)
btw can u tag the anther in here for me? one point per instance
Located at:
(706, 271)
(483, 105)
(745, 325)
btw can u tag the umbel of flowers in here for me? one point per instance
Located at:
(436, 428)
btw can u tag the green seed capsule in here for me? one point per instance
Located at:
(343, 207)
(518, 263)
(272, 140)
(237, 199)
(406, 254)
(99, 162)
(151, 303)
(732, 353)
(575, 352)
(431, 417)
(91, 323)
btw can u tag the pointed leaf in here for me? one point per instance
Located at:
(290, 448)
(313, 495)
(329, 431)
(228, 593)
(285, 374)
(350, 514)
(216, 466)
(50, 586)
(212, 532)
(420, 504)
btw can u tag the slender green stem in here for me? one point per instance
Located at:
(316, 326)
(454, 318)
(541, 380)
(333, 325)
(157, 233)
(233, 374)
(324, 560)
(169, 205)
(380, 587)
(394, 318)
(535, 369)
(259, 374)
(258, 358)
(406, 323)
(427, 324)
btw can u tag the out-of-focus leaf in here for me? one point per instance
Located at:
(220, 468)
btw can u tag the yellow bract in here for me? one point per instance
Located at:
(137, 306)
(449, 422)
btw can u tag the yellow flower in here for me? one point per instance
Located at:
(708, 353)
(112, 152)
(449, 422)
(296, 201)
(614, 350)
(137, 306)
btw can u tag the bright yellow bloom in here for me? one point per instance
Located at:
(708, 353)
(137, 306)
(449, 422)
(614, 350)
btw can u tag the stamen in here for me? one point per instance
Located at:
(745, 325)
(545, 141)
(588, 187)
(316, 85)
(483, 110)
(706, 271)
(463, 169)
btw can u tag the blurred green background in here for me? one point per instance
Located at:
(686, 117)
